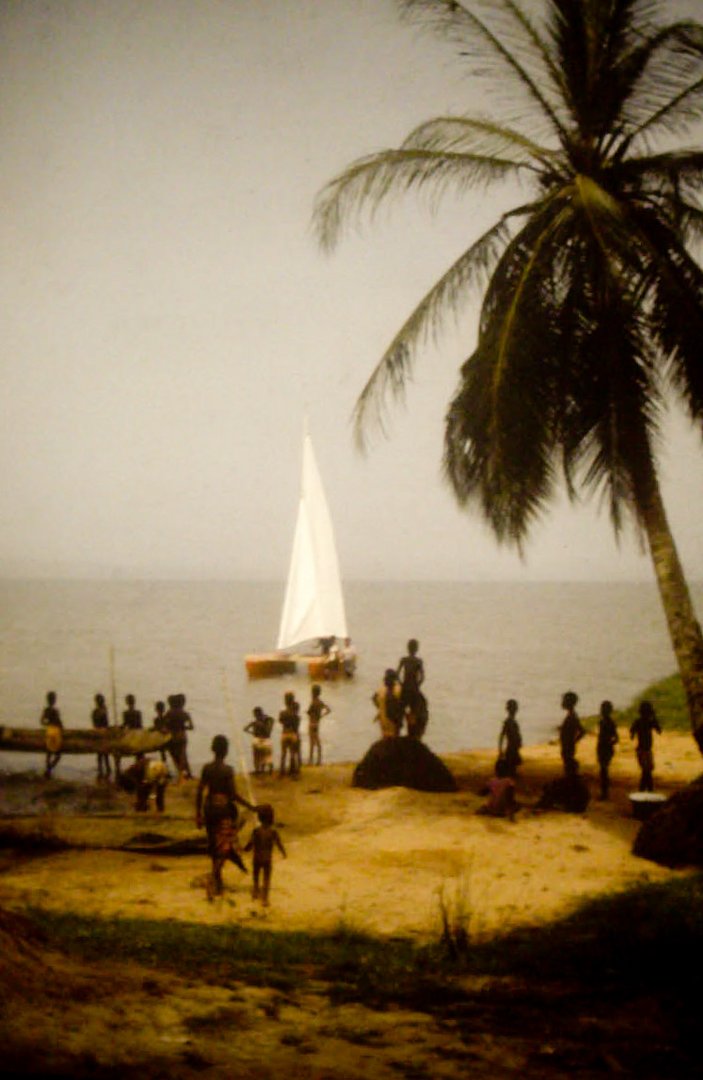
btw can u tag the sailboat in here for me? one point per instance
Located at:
(313, 606)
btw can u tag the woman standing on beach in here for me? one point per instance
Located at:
(216, 807)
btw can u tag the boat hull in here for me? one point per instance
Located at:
(325, 667)
(85, 741)
(268, 665)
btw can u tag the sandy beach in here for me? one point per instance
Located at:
(374, 861)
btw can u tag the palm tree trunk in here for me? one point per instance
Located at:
(685, 631)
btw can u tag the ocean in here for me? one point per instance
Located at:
(481, 644)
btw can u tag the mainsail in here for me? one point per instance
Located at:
(314, 604)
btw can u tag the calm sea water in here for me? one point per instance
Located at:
(481, 644)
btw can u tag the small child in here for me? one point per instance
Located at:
(501, 793)
(316, 710)
(261, 842)
(260, 729)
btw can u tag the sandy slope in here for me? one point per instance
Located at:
(377, 860)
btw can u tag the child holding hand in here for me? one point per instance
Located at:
(262, 842)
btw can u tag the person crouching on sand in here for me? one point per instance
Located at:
(262, 842)
(146, 777)
(217, 810)
(500, 790)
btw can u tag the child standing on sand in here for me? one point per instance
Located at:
(643, 728)
(605, 748)
(316, 710)
(262, 842)
(571, 730)
(510, 740)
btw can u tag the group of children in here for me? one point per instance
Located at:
(400, 699)
(501, 788)
(173, 721)
(261, 730)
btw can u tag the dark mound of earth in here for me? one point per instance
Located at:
(673, 836)
(569, 793)
(402, 762)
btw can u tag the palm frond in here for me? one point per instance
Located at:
(455, 288)
(504, 57)
(372, 179)
(511, 480)
(676, 308)
(461, 134)
(650, 77)
(665, 86)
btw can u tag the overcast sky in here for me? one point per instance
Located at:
(167, 318)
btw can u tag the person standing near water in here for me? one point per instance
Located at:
(411, 676)
(388, 701)
(605, 748)
(51, 720)
(179, 723)
(643, 729)
(571, 731)
(316, 710)
(510, 740)
(101, 720)
(159, 724)
(260, 729)
(132, 716)
(289, 719)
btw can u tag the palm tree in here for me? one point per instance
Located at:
(591, 320)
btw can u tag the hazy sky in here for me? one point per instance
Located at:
(167, 318)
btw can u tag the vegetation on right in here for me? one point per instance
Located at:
(591, 319)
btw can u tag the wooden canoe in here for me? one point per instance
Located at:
(112, 740)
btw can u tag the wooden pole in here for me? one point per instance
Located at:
(231, 720)
(113, 687)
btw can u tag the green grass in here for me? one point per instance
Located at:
(669, 701)
(641, 938)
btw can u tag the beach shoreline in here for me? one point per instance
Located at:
(378, 860)
(381, 863)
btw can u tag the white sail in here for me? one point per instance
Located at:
(314, 603)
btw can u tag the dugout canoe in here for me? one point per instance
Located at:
(85, 740)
